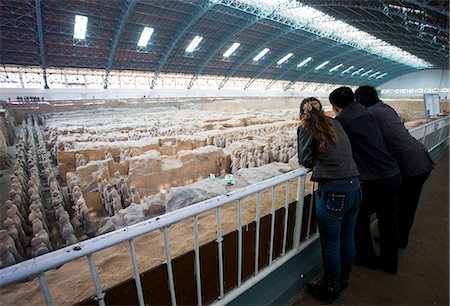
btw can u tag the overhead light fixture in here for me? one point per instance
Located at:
(374, 74)
(79, 31)
(145, 37)
(194, 43)
(303, 63)
(381, 75)
(285, 58)
(367, 72)
(348, 69)
(358, 71)
(231, 49)
(336, 67)
(321, 65)
(261, 54)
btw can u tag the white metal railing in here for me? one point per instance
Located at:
(39, 265)
(432, 133)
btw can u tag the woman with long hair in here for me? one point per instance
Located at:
(323, 146)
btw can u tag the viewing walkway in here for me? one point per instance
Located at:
(423, 274)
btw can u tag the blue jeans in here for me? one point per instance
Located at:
(337, 206)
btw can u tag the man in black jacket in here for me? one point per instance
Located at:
(411, 155)
(380, 178)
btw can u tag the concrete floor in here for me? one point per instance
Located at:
(423, 276)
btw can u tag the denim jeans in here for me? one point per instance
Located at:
(337, 206)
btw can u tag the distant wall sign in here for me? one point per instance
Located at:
(431, 103)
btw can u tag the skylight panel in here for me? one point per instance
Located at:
(374, 74)
(314, 21)
(321, 65)
(358, 71)
(231, 49)
(303, 63)
(336, 67)
(194, 43)
(348, 69)
(79, 31)
(381, 75)
(367, 72)
(285, 58)
(261, 54)
(145, 37)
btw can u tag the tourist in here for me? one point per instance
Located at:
(324, 147)
(411, 155)
(380, 178)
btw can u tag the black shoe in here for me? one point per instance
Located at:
(369, 263)
(327, 291)
(345, 275)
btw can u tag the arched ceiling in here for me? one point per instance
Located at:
(40, 33)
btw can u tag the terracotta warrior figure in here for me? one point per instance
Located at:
(8, 241)
(38, 246)
(135, 197)
(116, 201)
(7, 258)
(20, 242)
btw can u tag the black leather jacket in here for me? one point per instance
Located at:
(335, 162)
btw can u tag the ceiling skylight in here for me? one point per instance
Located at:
(304, 17)
(381, 75)
(285, 58)
(261, 54)
(79, 31)
(321, 65)
(358, 71)
(374, 74)
(194, 43)
(336, 67)
(231, 49)
(367, 72)
(348, 69)
(145, 37)
(303, 63)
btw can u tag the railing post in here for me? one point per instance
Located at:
(98, 288)
(299, 210)
(137, 276)
(197, 263)
(173, 298)
(44, 286)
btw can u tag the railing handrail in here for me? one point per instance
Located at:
(64, 255)
(446, 118)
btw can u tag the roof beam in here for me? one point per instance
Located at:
(429, 7)
(41, 41)
(126, 10)
(204, 8)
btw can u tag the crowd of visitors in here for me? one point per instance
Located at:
(364, 161)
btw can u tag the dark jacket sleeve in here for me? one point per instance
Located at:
(305, 147)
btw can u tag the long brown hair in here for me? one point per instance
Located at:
(313, 119)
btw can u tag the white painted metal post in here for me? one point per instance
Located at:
(169, 268)
(311, 204)
(299, 210)
(239, 243)
(219, 252)
(98, 288)
(197, 262)
(272, 225)
(286, 215)
(137, 276)
(258, 215)
(45, 290)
